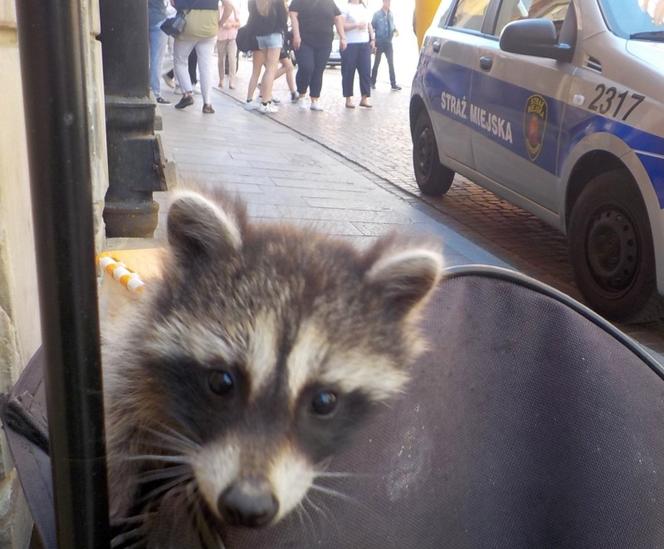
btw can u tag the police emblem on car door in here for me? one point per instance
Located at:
(534, 124)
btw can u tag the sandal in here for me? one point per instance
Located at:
(207, 109)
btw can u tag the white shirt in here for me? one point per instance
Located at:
(356, 13)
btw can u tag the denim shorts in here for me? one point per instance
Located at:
(274, 40)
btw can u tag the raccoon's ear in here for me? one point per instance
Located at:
(406, 277)
(196, 224)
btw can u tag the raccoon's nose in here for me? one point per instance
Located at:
(248, 504)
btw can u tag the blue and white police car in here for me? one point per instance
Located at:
(558, 107)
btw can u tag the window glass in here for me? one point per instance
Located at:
(443, 12)
(641, 20)
(469, 14)
(513, 10)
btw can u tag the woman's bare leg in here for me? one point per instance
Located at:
(258, 60)
(271, 56)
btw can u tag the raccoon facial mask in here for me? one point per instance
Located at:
(249, 363)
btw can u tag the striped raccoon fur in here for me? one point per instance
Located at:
(248, 363)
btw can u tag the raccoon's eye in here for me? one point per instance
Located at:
(324, 403)
(220, 382)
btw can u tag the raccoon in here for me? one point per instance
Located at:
(255, 354)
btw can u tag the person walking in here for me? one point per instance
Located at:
(200, 33)
(157, 14)
(229, 21)
(192, 65)
(383, 25)
(287, 67)
(357, 55)
(267, 21)
(312, 22)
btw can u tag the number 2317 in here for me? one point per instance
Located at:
(608, 98)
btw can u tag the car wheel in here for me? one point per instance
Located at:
(432, 177)
(612, 251)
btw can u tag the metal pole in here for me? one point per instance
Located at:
(52, 69)
(134, 155)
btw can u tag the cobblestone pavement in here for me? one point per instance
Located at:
(378, 140)
(282, 175)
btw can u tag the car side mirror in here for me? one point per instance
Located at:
(536, 37)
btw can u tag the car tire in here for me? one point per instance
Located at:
(432, 177)
(611, 250)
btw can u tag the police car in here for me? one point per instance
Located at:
(558, 107)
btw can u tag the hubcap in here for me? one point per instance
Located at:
(425, 151)
(613, 252)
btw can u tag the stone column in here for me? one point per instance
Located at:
(134, 152)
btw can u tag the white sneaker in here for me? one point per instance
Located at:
(302, 105)
(170, 82)
(274, 100)
(178, 90)
(316, 106)
(251, 105)
(268, 109)
(197, 89)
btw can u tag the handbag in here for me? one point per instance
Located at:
(174, 26)
(246, 40)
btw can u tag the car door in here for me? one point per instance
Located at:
(451, 52)
(518, 106)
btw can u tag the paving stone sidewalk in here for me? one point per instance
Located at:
(283, 175)
(379, 140)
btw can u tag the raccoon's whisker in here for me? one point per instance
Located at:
(322, 466)
(161, 474)
(120, 539)
(132, 519)
(177, 439)
(344, 497)
(335, 493)
(136, 545)
(168, 447)
(157, 457)
(317, 508)
(331, 492)
(325, 512)
(208, 535)
(163, 488)
(324, 474)
(309, 523)
(181, 435)
(298, 510)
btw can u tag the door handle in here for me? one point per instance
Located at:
(435, 46)
(486, 63)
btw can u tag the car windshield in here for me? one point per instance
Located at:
(637, 19)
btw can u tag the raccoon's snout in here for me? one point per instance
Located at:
(250, 504)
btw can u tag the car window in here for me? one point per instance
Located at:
(632, 18)
(443, 12)
(469, 14)
(513, 10)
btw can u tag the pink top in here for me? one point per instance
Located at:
(229, 30)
